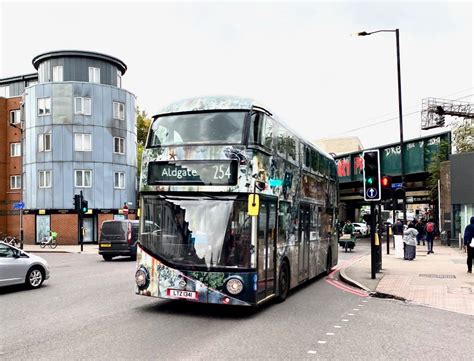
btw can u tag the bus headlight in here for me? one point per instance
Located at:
(142, 278)
(234, 286)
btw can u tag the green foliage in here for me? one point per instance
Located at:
(463, 137)
(434, 168)
(143, 124)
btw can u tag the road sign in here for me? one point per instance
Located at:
(18, 205)
(397, 185)
(371, 193)
(125, 209)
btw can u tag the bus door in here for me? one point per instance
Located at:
(266, 243)
(303, 242)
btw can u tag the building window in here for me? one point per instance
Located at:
(31, 82)
(57, 73)
(119, 79)
(15, 182)
(83, 142)
(44, 106)
(94, 75)
(44, 178)
(44, 142)
(82, 106)
(5, 91)
(15, 116)
(119, 145)
(119, 180)
(15, 149)
(83, 178)
(119, 111)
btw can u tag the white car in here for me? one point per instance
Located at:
(17, 267)
(361, 229)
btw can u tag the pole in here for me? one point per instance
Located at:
(373, 250)
(400, 112)
(379, 233)
(21, 228)
(81, 225)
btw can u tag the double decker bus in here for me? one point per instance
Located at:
(235, 207)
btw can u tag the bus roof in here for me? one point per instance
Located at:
(225, 102)
(210, 103)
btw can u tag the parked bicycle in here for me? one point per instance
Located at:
(49, 240)
(11, 240)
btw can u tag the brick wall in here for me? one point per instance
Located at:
(66, 227)
(29, 225)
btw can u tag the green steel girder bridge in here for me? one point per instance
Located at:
(418, 154)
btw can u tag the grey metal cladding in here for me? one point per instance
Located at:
(63, 159)
(462, 175)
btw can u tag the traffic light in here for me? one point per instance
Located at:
(84, 206)
(386, 182)
(77, 202)
(371, 175)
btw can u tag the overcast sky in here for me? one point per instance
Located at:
(299, 59)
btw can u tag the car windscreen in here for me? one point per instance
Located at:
(205, 128)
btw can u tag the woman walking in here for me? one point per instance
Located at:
(409, 238)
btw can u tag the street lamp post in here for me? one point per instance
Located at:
(402, 151)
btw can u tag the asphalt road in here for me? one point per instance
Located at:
(88, 310)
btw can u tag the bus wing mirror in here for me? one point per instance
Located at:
(253, 205)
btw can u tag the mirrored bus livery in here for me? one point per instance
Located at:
(235, 207)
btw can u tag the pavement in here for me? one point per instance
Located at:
(438, 280)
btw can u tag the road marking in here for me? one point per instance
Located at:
(355, 309)
(365, 301)
(311, 351)
(321, 341)
(345, 320)
(337, 326)
(350, 314)
(360, 305)
(330, 333)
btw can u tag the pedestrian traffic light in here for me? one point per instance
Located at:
(77, 202)
(386, 184)
(84, 206)
(371, 175)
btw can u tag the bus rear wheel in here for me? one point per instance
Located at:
(283, 282)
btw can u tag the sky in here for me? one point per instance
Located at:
(300, 59)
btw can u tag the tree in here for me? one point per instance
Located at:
(463, 136)
(143, 124)
(434, 169)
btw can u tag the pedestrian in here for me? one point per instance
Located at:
(420, 227)
(469, 244)
(409, 240)
(430, 231)
(398, 228)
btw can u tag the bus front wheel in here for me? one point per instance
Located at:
(284, 282)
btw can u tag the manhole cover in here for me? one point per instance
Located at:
(431, 275)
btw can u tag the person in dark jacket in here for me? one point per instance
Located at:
(469, 244)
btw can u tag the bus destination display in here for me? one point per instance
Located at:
(216, 172)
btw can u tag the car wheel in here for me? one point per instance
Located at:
(107, 258)
(34, 277)
(283, 282)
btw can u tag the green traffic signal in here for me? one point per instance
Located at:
(370, 181)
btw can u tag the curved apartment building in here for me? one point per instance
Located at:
(79, 134)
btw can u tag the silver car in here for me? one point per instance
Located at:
(17, 267)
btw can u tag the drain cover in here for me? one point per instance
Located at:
(432, 275)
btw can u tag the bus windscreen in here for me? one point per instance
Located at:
(195, 128)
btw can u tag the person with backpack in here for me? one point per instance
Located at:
(430, 231)
(469, 244)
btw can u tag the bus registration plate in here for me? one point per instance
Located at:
(190, 295)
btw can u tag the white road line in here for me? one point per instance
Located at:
(350, 314)
(330, 333)
(321, 341)
(311, 351)
(337, 326)
(355, 309)
(345, 320)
